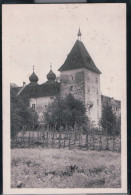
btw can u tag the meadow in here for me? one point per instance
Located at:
(64, 168)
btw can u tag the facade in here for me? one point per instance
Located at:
(78, 76)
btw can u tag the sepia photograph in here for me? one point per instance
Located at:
(64, 98)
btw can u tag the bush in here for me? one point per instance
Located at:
(22, 116)
(65, 112)
(109, 121)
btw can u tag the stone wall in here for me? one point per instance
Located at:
(85, 86)
(92, 95)
(72, 81)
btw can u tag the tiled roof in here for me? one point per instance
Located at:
(111, 101)
(16, 90)
(43, 90)
(79, 58)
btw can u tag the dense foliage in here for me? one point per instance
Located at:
(66, 111)
(109, 121)
(22, 116)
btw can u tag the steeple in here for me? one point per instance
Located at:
(33, 78)
(51, 75)
(79, 35)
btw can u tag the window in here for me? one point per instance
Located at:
(96, 80)
(97, 101)
(71, 88)
(33, 106)
(71, 77)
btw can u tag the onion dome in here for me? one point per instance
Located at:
(33, 78)
(51, 75)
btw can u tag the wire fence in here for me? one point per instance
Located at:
(70, 140)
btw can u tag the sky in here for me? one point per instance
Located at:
(42, 34)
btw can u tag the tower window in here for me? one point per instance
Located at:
(97, 102)
(33, 106)
(71, 77)
(71, 88)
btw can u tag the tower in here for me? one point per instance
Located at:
(80, 77)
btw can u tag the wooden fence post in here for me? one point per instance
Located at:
(75, 139)
(69, 140)
(47, 140)
(52, 140)
(107, 140)
(23, 140)
(28, 140)
(59, 140)
(43, 136)
(86, 144)
(79, 140)
(64, 141)
(114, 139)
(100, 143)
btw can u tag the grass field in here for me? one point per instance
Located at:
(63, 168)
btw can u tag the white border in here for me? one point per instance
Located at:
(6, 142)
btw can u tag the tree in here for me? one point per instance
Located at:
(65, 112)
(109, 119)
(22, 116)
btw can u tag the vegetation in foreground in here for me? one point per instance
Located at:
(61, 168)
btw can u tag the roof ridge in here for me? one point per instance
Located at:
(80, 51)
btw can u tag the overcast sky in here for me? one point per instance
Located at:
(42, 34)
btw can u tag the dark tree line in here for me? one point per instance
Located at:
(22, 115)
(109, 121)
(62, 112)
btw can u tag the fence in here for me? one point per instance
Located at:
(71, 140)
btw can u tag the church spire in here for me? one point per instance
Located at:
(79, 35)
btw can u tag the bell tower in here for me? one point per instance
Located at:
(80, 77)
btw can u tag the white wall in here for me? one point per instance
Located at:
(41, 104)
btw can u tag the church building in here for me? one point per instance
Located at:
(78, 76)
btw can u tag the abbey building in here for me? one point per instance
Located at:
(78, 76)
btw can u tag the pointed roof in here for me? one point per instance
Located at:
(79, 58)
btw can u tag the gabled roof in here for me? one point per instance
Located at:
(43, 90)
(79, 58)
